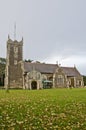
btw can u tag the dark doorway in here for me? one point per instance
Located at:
(72, 82)
(34, 85)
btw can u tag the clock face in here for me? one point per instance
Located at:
(15, 55)
(15, 62)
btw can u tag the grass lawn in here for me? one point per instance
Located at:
(50, 109)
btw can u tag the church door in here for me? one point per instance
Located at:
(34, 85)
(72, 82)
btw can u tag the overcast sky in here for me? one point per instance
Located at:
(53, 30)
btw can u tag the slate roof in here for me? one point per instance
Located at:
(41, 67)
(50, 68)
(71, 71)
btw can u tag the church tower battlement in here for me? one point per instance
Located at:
(13, 72)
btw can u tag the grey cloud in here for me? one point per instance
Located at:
(51, 28)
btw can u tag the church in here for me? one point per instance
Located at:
(26, 75)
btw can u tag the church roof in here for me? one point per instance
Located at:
(50, 68)
(41, 67)
(71, 71)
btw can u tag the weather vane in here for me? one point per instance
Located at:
(15, 31)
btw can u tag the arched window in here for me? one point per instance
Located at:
(60, 79)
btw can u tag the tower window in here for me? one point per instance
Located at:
(60, 80)
(15, 49)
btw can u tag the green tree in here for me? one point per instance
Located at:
(2, 70)
(28, 60)
(2, 60)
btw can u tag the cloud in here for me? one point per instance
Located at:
(74, 60)
(53, 30)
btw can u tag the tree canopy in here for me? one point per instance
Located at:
(2, 60)
(28, 60)
(2, 65)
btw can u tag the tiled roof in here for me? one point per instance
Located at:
(71, 71)
(41, 67)
(50, 68)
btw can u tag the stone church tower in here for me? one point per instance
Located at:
(13, 71)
